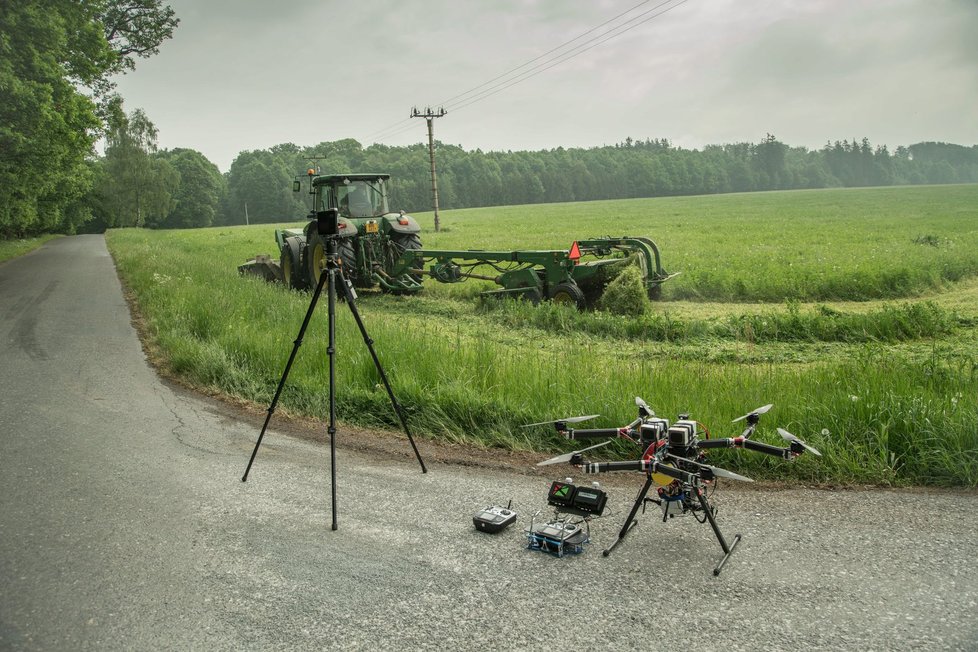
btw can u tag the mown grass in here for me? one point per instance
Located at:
(889, 391)
(820, 245)
(13, 248)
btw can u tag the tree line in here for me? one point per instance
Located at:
(57, 59)
(259, 181)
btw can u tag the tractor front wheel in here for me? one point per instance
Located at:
(568, 292)
(292, 275)
(315, 258)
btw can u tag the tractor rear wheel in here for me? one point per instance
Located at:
(292, 275)
(348, 259)
(568, 292)
(405, 241)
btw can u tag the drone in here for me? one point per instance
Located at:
(673, 459)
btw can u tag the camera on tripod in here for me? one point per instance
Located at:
(327, 222)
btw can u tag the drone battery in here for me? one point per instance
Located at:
(561, 494)
(681, 434)
(654, 429)
(590, 500)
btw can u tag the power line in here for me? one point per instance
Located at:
(508, 80)
(562, 45)
(566, 56)
(405, 125)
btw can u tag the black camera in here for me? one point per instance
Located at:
(327, 222)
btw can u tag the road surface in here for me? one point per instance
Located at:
(124, 524)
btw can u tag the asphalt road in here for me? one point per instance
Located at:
(124, 524)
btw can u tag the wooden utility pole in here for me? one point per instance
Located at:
(430, 115)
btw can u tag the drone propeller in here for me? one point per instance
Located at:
(567, 420)
(759, 411)
(566, 457)
(643, 407)
(716, 470)
(723, 473)
(789, 437)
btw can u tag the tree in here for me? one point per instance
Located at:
(200, 190)
(137, 189)
(50, 52)
(45, 124)
(769, 161)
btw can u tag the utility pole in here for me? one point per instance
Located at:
(430, 115)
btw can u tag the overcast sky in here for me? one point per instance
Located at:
(249, 74)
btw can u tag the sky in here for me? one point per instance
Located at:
(249, 74)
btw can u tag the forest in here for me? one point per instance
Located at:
(57, 100)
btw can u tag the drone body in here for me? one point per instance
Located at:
(674, 460)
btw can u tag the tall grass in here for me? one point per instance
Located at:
(881, 412)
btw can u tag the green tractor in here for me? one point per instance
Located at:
(378, 247)
(369, 234)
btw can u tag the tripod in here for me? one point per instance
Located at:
(332, 277)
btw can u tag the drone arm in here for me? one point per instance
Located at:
(592, 433)
(776, 451)
(716, 443)
(649, 466)
(605, 467)
(749, 444)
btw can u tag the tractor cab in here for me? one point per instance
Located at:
(356, 196)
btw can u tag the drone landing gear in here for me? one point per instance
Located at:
(727, 550)
(708, 509)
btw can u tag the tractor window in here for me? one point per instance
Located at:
(361, 198)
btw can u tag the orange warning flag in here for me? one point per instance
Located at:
(575, 253)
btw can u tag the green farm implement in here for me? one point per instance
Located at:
(379, 247)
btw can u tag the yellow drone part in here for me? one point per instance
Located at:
(662, 479)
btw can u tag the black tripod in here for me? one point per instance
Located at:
(332, 277)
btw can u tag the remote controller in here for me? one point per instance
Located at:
(494, 519)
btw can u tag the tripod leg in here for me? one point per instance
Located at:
(728, 550)
(331, 351)
(288, 367)
(631, 521)
(351, 302)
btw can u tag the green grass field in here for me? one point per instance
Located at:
(854, 311)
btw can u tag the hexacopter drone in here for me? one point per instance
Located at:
(674, 459)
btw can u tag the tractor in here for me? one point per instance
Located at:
(380, 247)
(369, 233)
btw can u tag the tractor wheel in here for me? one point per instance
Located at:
(315, 258)
(407, 241)
(568, 292)
(292, 275)
(348, 259)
